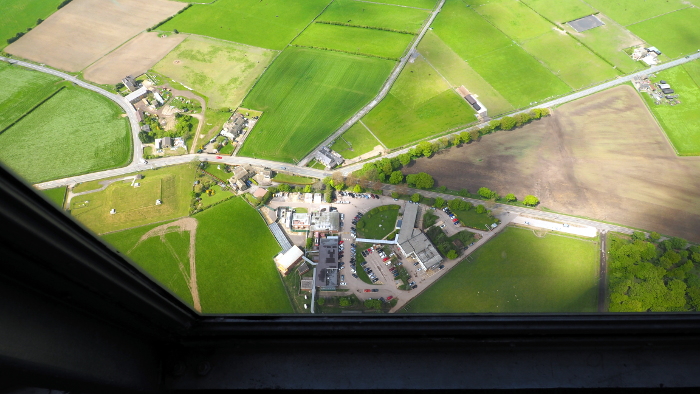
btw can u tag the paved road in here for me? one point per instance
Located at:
(128, 108)
(382, 93)
(603, 277)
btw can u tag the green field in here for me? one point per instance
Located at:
(19, 15)
(475, 220)
(267, 24)
(374, 15)
(136, 206)
(223, 71)
(675, 34)
(378, 224)
(355, 142)
(76, 132)
(564, 56)
(427, 4)
(293, 179)
(560, 11)
(371, 42)
(21, 91)
(235, 270)
(515, 19)
(419, 105)
(218, 196)
(518, 272)
(57, 195)
(306, 95)
(681, 122)
(626, 12)
(458, 73)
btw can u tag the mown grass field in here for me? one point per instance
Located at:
(419, 105)
(681, 122)
(136, 206)
(518, 272)
(223, 71)
(21, 91)
(235, 270)
(19, 15)
(379, 224)
(560, 11)
(158, 257)
(515, 19)
(293, 179)
(627, 12)
(475, 220)
(564, 56)
(57, 195)
(355, 142)
(305, 95)
(218, 196)
(374, 15)
(76, 132)
(268, 24)
(676, 34)
(370, 42)
(427, 4)
(458, 73)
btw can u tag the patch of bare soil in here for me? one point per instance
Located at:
(133, 58)
(83, 31)
(602, 157)
(181, 225)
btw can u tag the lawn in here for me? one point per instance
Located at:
(306, 95)
(223, 71)
(564, 56)
(681, 122)
(466, 32)
(378, 224)
(518, 272)
(293, 179)
(136, 206)
(268, 24)
(374, 15)
(458, 73)
(560, 11)
(21, 91)
(77, 132)
(57, 195)
(218, 196)
(475, 220)
(675, 34)
(370, 42)
(419, 105)
(19, 15)
(235, 270)
(519, 77)
(515, 19)
(626, 12)
(355, 142)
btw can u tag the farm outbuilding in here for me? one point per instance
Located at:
(286, 260)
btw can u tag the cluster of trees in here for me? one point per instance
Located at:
(649, 277)
(517, 120)
(446, 245)
(389, 170)
(184, 125)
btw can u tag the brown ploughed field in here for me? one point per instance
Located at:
(602, 157)
(85, 30)
(133, 58)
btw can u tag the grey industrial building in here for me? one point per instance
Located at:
(414, 243)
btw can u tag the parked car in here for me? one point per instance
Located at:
(375, 290)
(390, 298)
(368, 290)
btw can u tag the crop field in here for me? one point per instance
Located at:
(374, 15)
(518, 272)
(355, 142)
(561, 11)
(57, 195)
(627, 12)
(305, 95)
(564, 57)
(426, 4)
(19, 15)
(136, 206)
(458, 73)
(22, 90)
(223, 71)
(95, 137)
(520, 78)
(680, 122)
(63, 43)
(235, 270)
(371, 42)
(133, 58)
(515, 19)
(419, 105)
(267, 24)
(581, 162)
(676, 34)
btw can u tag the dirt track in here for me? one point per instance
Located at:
(602, 157)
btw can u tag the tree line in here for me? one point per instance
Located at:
(366, 27)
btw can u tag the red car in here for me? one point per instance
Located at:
(390, 298)
(219, 157)
(386, 259)
(341, 242)
(368, 290)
